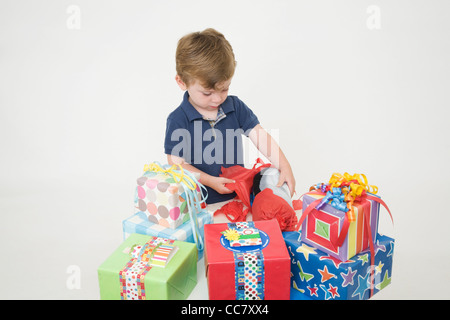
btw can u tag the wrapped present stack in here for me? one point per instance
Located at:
(163, 239)
(339, 253)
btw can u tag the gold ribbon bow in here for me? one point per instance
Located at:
(353, 190)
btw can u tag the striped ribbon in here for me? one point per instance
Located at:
(132, 276)
(249, 269)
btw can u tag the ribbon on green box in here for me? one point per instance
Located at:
(154, 253)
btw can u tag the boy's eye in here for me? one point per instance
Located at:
(206, 93)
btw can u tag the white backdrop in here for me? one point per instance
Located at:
(345, 86)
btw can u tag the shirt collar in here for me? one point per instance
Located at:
(192, 114)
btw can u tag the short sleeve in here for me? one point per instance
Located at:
(247, 119)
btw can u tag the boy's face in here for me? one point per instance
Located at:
(206, 99)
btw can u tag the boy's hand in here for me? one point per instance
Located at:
(272, 151)
(218, 184)
(287, 176)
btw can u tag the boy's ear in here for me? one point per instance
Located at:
(180, 83)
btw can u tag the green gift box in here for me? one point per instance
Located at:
(149, 268)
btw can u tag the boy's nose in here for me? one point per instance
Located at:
(216, 98)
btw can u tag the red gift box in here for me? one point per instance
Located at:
(239, 269)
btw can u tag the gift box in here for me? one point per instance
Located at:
(322, 228)
(139, 223)
(341, 217)
(149, 268)
(297, 295)
(169, 196)
(320, 276)
(246, 261)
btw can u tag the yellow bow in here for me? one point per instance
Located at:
(355, 189)
(177, 176)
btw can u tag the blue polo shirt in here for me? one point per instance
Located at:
(206, 144)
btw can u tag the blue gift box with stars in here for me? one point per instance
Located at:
(319, 276)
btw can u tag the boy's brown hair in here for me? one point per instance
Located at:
(205, 56)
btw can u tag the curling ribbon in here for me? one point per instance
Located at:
(338, 180)
(178, 176)
(337, 199)
(352, 186)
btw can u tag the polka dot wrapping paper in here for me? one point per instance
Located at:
(249, 271)
(163, 199)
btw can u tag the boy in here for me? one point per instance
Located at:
(205, 132)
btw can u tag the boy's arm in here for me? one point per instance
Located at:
(216, 183)
(264, 142)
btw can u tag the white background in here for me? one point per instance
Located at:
(86, 86)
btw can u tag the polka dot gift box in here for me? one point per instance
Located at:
(168, 196)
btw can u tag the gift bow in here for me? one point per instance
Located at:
(357, 183)
(337, 199)
(349, 187)
(178, 176)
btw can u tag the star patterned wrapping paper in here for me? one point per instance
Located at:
(319, 276)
